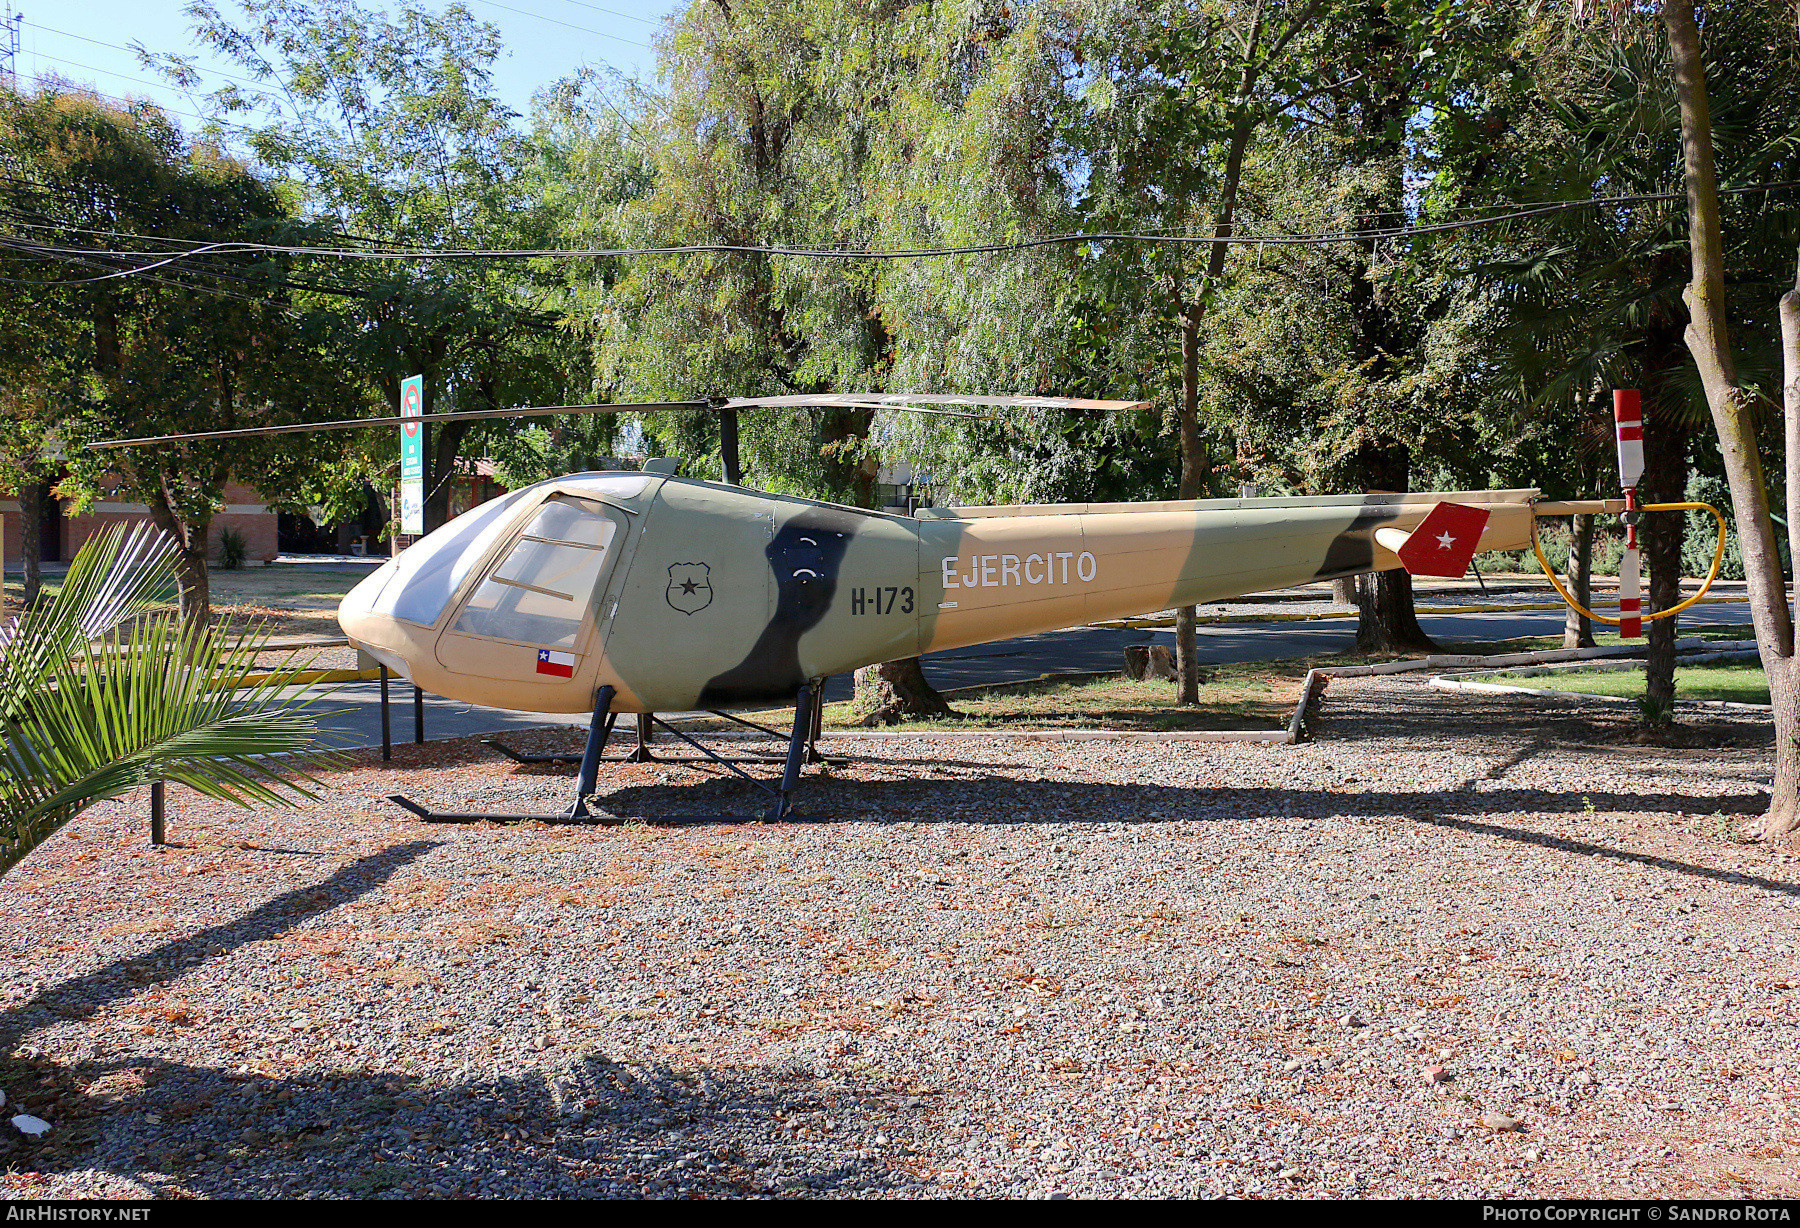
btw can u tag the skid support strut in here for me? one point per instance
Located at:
(599, 729)
(804, 706)
(800, 751)
(642, 753)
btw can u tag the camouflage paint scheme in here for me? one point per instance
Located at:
(714, 596)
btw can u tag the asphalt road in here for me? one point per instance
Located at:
(1077, 650)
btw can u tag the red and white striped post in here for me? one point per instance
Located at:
(1628, 421)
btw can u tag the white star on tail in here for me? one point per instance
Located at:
(1445, 541)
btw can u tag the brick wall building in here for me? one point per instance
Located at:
(244, 511)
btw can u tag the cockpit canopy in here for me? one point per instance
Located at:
(538, 592)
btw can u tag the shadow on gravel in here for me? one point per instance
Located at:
(79, 997)
(1564, 845)
(1057, 802)
(586, 1127)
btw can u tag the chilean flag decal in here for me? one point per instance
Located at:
(556, 664)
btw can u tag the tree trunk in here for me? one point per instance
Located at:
(194, 578)
(1661, 534)
(1343, 591)
(1782, 822)
(32, 496)
(194, 583)
(1578, 629)
(1193, 459)
(443, 442)
(900, 692)
(1733, 416)
(1386, 621)
(1187, 650)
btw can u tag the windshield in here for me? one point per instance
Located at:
(541, 591)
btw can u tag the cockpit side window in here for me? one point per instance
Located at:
(541, 591)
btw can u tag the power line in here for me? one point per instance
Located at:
(141, 81)
(38, 25)
(613, 12)
(569, 24)
(172, 256)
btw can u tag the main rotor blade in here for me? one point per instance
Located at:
(350, 424)
(841, 400)
(904, 400)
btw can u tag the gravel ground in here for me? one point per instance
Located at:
(1454, 947)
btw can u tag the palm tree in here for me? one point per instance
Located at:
(101, 692)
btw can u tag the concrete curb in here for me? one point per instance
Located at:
(1469, 681)
(310, 677)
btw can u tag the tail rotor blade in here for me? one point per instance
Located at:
(1631, 606)
(1628, 422)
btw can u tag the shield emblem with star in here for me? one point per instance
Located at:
(690, 591)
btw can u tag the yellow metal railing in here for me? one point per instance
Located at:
(1718, 557)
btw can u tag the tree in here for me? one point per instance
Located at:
(98, 695)
(28, 450)
(779, 124)
(1733, 409)
(388, 133)
(1180, 93)
(130, 340)
(1594, 297)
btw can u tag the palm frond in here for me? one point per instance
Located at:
(100, 698)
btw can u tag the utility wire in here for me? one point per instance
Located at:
(614, 12)
(124, 104)
(401, 252)
(569, 24)
(38, 25)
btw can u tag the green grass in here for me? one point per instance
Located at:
(1241, 697)
(1735, 682)
(1544, 643)
(1249, 695)
(289, 600)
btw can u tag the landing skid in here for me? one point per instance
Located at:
(781, 810)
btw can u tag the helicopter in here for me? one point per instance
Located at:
(647, 592)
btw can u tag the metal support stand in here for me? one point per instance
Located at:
(387, 745)
(156, 812)
(418, 716)
(599, 729)
(643, 754)
(804, 707)
(818, 722)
